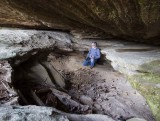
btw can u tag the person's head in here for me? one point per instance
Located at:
(94, 44)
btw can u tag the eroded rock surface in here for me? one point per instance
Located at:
(133, 19)
(16, 42)
(29, 113)
(37, 113)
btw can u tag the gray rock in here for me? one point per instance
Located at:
(136, 119)
(128, 57)
(89, 117)
(38, 113)
(86, 100)
(16, 42)
(97, 106)
(29, 113)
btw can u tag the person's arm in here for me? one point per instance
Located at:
(89, 53)
(98, 55)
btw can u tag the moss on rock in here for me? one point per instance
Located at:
(148, 83)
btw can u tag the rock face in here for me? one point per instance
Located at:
(134, 19)
(38, 113)
(14, 43)
(29, 113)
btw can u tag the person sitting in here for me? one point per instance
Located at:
(92, 56)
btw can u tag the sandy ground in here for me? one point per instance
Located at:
(105, 90)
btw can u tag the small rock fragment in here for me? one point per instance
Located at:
(86, 100)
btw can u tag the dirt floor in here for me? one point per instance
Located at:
(105, 90)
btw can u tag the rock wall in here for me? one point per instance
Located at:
(137, 20)
(16, 42)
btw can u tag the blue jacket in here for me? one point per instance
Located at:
(94, 52)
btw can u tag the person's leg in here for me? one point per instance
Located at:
(93, 61)
(86, 62)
